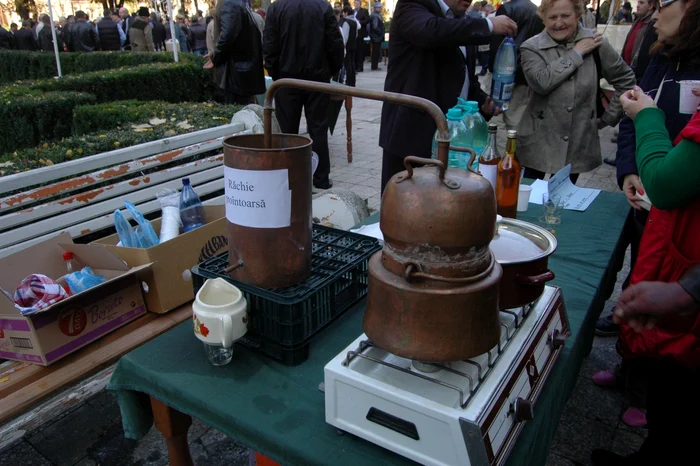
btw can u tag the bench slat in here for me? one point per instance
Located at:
(90, 202)
(18, 181)
(38, 197)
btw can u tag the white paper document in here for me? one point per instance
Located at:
(372, 230)
(258, 198)
(560, 186)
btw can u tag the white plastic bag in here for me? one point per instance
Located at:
(170, 218)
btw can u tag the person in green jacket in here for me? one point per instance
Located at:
(671, 175)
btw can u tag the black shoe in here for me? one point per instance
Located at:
(607, 458)
(605, 327)
(610, 161)
(326, 185)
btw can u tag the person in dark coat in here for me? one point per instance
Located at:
(349, 25)
(159, 31)
(362, 15)
(25, 37)
(376, 34)
(125, 25)
(427, 61)
(238, 53)
(45, 38)
(198, 37)
(83, 37)
(109, 33)
(302, 40)
(7, 39)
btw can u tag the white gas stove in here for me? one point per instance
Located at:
(456, 413)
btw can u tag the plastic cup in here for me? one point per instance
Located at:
(524, 197)
(688, 102)
(218, 355)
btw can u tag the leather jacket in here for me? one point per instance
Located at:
(524, 13)
(83, 37)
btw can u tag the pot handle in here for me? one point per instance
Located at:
(472, 157)
(413, 270)
(535, 279)
(452, 184)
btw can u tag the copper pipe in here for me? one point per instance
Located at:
(391, 97)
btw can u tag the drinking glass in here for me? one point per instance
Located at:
(218, 355)
(552, 208)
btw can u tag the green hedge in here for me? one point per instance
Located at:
(112, 115)
(198, 115)
(20, 65)
(172, 82)
(31, 117)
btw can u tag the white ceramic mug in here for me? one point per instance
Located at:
(219, 314)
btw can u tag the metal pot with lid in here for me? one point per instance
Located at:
(522, 249)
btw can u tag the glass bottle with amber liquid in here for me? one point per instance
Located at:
(489, 158)
(508, 180)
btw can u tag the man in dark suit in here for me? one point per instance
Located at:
(24, 38)
(362, 16)
(428, 59)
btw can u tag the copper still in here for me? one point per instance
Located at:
(433, 289)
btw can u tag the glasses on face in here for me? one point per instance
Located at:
(665, 3)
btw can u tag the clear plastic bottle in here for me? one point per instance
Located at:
(490, 157)
(71, 263)
(191, 210)
(460, 136)
(504, 73)
(476, 124)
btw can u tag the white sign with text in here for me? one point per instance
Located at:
(258, 198)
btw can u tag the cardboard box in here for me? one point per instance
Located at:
(74, 322)
(169, 280)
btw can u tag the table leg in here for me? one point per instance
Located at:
(173, 425)
(348, 125)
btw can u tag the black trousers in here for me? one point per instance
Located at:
(350, 68)
(483, 60)
(391, 165)
(538, 175)
(360, 54)
(376, 52)
(288, 106)
(672, 414)
(231, 98)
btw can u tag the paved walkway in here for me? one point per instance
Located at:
(91, 434)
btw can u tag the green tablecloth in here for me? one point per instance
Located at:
(278, 410)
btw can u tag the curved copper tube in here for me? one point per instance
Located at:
(391, 97)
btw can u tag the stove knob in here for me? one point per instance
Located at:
(558, 339)
(524, 410)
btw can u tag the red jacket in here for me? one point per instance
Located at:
(670, 246)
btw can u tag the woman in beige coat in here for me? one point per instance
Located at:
(560, 125)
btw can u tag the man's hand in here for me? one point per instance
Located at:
(589, 44)
(631, 186)
(645, 302)
(503, 26)
(208, 65)
(489, 108)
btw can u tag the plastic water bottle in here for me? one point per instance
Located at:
(191, 210)
(476, 124)
(504, 73)
(460, 136)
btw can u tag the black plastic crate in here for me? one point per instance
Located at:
(282, 321)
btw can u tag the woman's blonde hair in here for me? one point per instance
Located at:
(546, 5)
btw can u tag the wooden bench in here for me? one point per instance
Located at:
(80, 197)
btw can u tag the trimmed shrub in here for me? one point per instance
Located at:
(172, 82)
(30, 117)
(173, 119)
(21, 65)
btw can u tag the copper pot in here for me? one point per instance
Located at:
(523, 250)
(444, 223)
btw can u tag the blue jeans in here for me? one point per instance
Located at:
(200, 52)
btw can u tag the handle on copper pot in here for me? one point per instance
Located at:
(413, 270)
(452, 184)
(472, 157)
(535, 279)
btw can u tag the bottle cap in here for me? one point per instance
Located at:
(511, 133)
(185, 181)
(456, 114)
(67, 256)
(493, 127)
